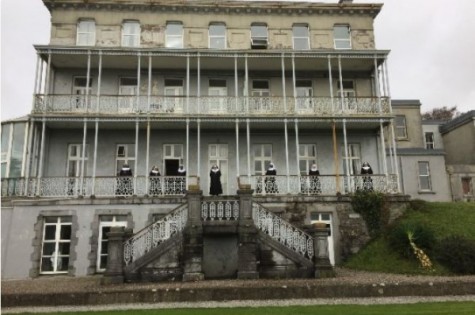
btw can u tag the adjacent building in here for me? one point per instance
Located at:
(235, 84)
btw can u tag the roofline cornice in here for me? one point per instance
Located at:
(221, 6)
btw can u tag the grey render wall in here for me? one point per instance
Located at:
(6, 214)
(413, 125)
(439, 180)
(434, 128)
(460, 144)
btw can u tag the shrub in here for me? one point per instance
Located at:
(418, 204)
(422, 236)
(457, 254)
(373, 208)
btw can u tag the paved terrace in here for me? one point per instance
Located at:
(88, 291)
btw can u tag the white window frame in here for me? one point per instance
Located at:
(304, 94)
(84, 35)
(354, 158)
(56, 256)
(259, 41)
(401, 127)
(168, 36)
(307, 156)
(134, 34)
(126, 159)
(113, 223)
(343, 42)
(77, 159)
(211, 37)
(295, 37)
(261, 157)
(6, 155)
(80, 91)
(217, 154)
(430, 145)
(424, 175)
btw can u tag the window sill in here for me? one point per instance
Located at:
(426, 192)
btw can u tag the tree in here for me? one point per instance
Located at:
(441, 113)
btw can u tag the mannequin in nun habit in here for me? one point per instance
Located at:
(270, 182)
(367, 181)
(124, 181)
(314, 181)
(181, 180)
(215, 188)
(155, 187)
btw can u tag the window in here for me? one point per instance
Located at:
(401, 130)
(262, 158)
(81, 89)
(307, 157)
(172, 158)
(467, 186)
(300, 37)
(13, 149)
(217, 36)
(174, 35)
(6, 128)
(125, 154)
(219, 91)
(127, 91)
(107, 221)
(429, 137)
(342, 36)
(56, 245)
(424, 176)
(174, 95)
(260, 88)
(131, 34)
(304, 92)
(354, 158)
(86, 33)
(74, 160)
(259, 37)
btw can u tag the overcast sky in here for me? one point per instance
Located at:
(432, 45)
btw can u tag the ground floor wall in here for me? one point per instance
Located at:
(462, 182)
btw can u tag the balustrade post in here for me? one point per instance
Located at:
(193, 238)
(247, 235)
(115, 260)
(323, 267)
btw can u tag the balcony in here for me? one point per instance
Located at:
(164, 186)
(210, 105)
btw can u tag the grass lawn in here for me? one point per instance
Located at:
(444, 218)
(442, 308)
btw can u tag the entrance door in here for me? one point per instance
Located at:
(127, 92)
(173, 95)
(218, 155)
(218, 90)
(317, 217)
(172, 158)
(80, 90)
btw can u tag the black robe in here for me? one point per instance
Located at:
(367, 180)
(215, 187)
(155, 185)
(270, 182)
(314, 182)
(124, 182)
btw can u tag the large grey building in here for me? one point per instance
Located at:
(193, 83)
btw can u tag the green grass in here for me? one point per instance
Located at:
(444, 218)
(443, 308)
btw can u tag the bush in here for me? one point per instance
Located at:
(418, 204)
(457, 254)
(373, 208)
(423, 237)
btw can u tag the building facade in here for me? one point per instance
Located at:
(163, 83)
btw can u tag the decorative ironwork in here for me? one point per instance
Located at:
(210, 105)
(220, 210)
(282, 231)
(153, 235)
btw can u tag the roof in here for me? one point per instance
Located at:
(405, 102)
(457, 122)
(18, 119)
(419, 151)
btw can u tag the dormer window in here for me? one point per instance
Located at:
(342, 36)
(259, 38)
(86, 33)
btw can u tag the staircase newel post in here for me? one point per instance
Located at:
(323, 267)
(247, 234)
(115, 259)
(193, 237)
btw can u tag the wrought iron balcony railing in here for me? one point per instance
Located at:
(176, 186)
(209, 105)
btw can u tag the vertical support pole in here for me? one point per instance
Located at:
(88, 78)
(25, 149)
(248, 135)
(83, 158)
(198, 74)
(246, 83)
(347, 164)
(99, 83)
(340, 76)
(149, 89)
(378, 88)
(395, 158)
(137, 108)
(29, 155)
(47, 83)
(237, 151)
(42, 152)
(187, 150)
(94, 167)
(294, 79)
(297, 151)
(383, 148)
(147, 157)
(236, 86)
(284, 95)
(136, 154)
(198, 149)
(37, 78)
(187, 84)
(286, 133)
